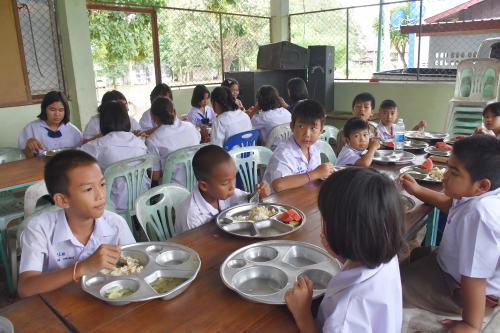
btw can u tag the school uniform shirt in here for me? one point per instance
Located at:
(363, 300)
(196, 211)
(228, 124)
(146, 121)
(93, 127)
(265, 121)
(112, 148)
(471, 240)
(383, 133)
(195, 115)
(288, 160)
(71, 136)
(48, 244)
(341, 140)
(348, 155)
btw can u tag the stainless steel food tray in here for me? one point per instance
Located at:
(160, 259)
(427, 136)
(420, 174)
(389, 156)
(264, 271)
(271, 227)
(436, 151)
(50, 153)
(409, 144)
(452, 140)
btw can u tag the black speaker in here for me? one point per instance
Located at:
(320, 75)
(281, 55)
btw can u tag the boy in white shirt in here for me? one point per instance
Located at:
(360, 148)
(388, 114)
(297, 161)
(464, 275)
(215, 191)
(61, 246)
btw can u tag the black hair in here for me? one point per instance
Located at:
(198, 95)
(388, 104)
(364, 97)
(493, 108)
(229, 82)
(222, 96)
(113, 95)
(297, 89)
(161, 89)
(268, 98)
(355, 124)
(308, 111)
(480, 155)
(368, 230)
(164, 110)
(206, 159)
(58, 167)
(114, 118)
(52, 97)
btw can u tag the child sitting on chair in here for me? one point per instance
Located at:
(463, 275)
(491, 116)
(215, 191)
(388, 114)
(297, 161)
(81, 238)
(359, 148)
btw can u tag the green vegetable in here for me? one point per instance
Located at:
(164, 284)
(294, 223)
(117, 292)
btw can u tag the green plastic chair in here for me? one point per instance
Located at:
(327, 153)
(182, 156)
(248, 160)
(432, 227)
(329, 132)
(278, 134)
(155, 210)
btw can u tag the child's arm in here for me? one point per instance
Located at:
(421, 124)
(366, 159)
(298, 299)
(284, 183)
(437, 199)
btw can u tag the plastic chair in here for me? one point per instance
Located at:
(432, 227)
(10, 155)
(247, 161)
(278, 134)
(158, 219)
(183, 156)
(243, 139)
(329, 133)
(327, 153)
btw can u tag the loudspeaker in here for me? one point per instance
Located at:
(281, 55)
(321, 75)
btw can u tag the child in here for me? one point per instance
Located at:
(52, 130)
(230, 120)
(201, 113)
(297, 91)
(171, 134)
(234, 87)
(297, 161)
(116, 144)
(365, 236)
(92, 129)
(491, 115)
(463, 275)
(61, 246)
(271, 113)
(161, 90)
(359, 148)
(216, 174)
(388, 114)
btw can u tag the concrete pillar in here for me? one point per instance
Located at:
(279, 21)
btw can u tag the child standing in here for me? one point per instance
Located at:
(234, 87)
(215, 191)
(297, 91)
(388, 114)
(201, 113)
(365, 296)
(491, 116)
(360, 148)
(81, 238)
(160, 90)
(297, 161)
(463, 275)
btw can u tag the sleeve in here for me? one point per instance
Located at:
(34, 249)
(218, 133)
(347, 157)
(257, 122)
(134, 125)
(91, 129)
(153, 149)
(239, 197)
(357, 317)
(145, 121)
(91, 149)
(25, 134)
(278, 167)
(77, 136)
(191, 117)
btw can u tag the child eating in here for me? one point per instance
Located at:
(360, 148)
(388, 114)
(463, 275)
(491, 115)
(234, 87)
(81, 238)
(365, 236)
(215, 172)
(160, 90)
(201, 113)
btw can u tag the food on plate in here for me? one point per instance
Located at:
(427, 165)
(438, 173)
(258, 213)
(163, 284)
(443, 146)
(291, 217)
(389, 143)
(117, 292)
(126, 265)
(459, 137)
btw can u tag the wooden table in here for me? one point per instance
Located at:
(21, 173)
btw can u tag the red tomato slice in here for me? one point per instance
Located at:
(427, 165)
(389, 144)
(460, 137)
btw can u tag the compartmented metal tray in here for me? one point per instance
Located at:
(437, 151)
(389, 156)
(452, 141)
(265, 228)
(427, 136)
(421, 174)
(262, 272)
(50, 153)
(409, 144)
(160, 259)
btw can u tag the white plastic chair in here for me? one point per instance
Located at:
(182, 157)
(326, 152)
(248, 160)
(278, 134)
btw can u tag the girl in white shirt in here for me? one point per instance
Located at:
(201, 113)
(365, 236)
(160, 90)
(234, 87)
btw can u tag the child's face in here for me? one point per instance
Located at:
(204, 101)
(235, 90)
(457, 181)
(363, 110)
(491, 121)
(306, 134)
(55, 113)
(359, 139)
(388, 116)
(222, 183)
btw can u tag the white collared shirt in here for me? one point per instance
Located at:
(71, 136)
(146, 121)
(48, 244)
(93, 127)
(383, 133)
(112, 148)
(196, 211)
(195, 115)
(348, 155)
(288, 160)
(228, 124)
(471, 240)
(265, 121)
(363, 300)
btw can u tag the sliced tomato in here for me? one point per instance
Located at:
(444, 146)
(389, 144)
(460, 137)
(290, 216)
(427, 165)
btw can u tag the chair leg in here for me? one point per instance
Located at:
(432, 227)
(5, 264)
(12, 252)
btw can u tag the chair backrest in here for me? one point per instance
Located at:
(184, 157)
(278, 134)
(243, 139)
(33, 193)
(329, 132)
(11, 155)
(327, 153)
(157, 216)
(247, 161)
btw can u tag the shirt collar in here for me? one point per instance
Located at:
(297, 152)
(357, 152)
(201, 203)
